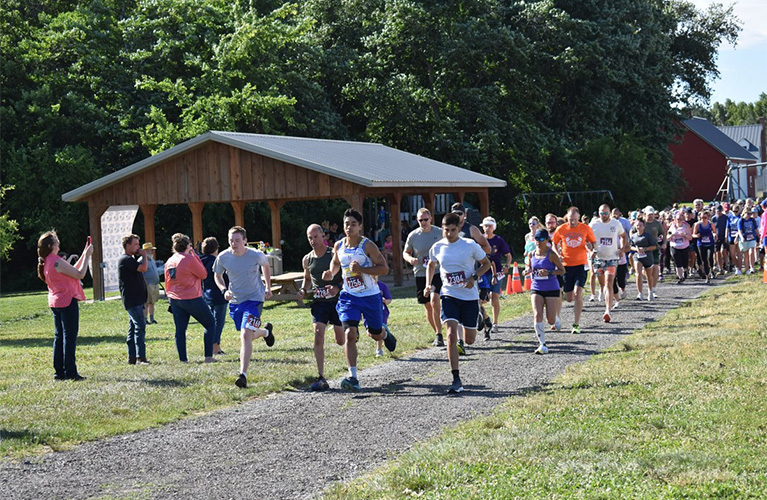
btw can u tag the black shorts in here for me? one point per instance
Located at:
(465, 312)
(324, 312)
(420, 284)
(574, 276)
(547, 293)
(484, 294)
(722, 244)
(646, 261)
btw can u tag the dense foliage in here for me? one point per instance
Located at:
(548, 95)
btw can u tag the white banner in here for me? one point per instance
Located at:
(116, 222)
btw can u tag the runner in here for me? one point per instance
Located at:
(245, 294)
(722, 251)
(747, 239)
(623, 264)
(552, 223)
(457, 258)
(679, 236)
(655, 228)
(643, 243)
(359, 259)
(325, 294)
(612, 241)
(545, 264)
(499, 250)
(572, 240)
(416, 253)
(703, 232)
(733, 219)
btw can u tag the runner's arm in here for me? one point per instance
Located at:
(429, 277)
(379, 266)
(335, 264)
(477, 235)
(307, 276)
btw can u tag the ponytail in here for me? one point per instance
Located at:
(44, 248)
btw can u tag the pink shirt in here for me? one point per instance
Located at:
(187, 283)
(679, 236)
(61, 288)
(763, 226)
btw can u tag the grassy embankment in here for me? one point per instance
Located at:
(677, 410)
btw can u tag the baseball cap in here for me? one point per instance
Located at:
(649, 209)
(489, 221)
(541, 235)
(718, 208)
(458, 207)
(764, 203)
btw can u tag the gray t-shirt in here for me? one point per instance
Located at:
(244, 274)
(418, 244)
(646, 240)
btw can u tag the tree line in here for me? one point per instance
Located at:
(548, 95)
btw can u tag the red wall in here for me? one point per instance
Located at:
(703, 167)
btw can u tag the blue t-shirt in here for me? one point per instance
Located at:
(732, 225)
(748, 228)
(210, 291)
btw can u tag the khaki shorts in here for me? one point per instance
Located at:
(152, 294)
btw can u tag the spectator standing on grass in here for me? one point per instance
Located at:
(184, 273)
(64, 290)
(130, 272)
(210, 292)
(152, 284)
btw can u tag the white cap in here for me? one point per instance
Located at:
(489, 221)
(649, 209)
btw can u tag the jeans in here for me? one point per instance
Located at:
(66, 323)
(220, 313)
(198, 309)
(136, 332)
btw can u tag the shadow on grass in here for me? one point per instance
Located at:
(48, 341)
(154, 382)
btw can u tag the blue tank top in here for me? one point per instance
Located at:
(543, 283)
(706, 238)
(359, 284)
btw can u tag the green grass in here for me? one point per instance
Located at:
(677, 410)
(38, 414)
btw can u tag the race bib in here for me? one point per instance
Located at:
(425, 261)
(705, 239)
(606, 242)
(538, 274)
(678, 241)
(499, 276)
(321, 293)
(252, 322)
(641, 253)
(354, 283)
(456, 278)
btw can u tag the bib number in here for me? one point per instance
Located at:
(354, 283)
(538, 275)
(252, 322)
(456, 278)
(499, 276)
(606, 242)
(321, 293)
(705, 239)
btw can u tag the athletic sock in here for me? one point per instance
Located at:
(455, 374)
(353, 371)
(540, 332)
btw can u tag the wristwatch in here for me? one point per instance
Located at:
(476, 278)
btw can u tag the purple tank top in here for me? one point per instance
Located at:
(543, 283)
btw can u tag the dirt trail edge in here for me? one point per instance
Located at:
(293, 445)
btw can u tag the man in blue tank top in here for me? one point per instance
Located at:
(359, 260)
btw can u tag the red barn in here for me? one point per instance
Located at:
(703, 155)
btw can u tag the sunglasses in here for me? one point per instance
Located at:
(423, 220)
(458, 213)
(604, 213)
(533, 224)
(541, 239)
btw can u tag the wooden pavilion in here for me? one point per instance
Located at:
(238, 168)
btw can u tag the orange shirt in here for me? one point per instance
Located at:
(572, 241)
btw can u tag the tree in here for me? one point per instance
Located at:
(9, 228)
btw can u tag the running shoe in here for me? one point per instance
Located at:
(350, 384)
(439, 341)
(241, 382)
(701, 274)
(592, 298)
(623, 294)
(390, 341)
(455, 387)
(750, 271)
(542, 349)
(269, 338)
(576, 328)
(319, 385)
(487, 334)
(679, 281)
(558, 324)
(495, 329)
(660, 277)
(379, 353)
(649, 297)
(654, 295)
(639, 296)
(461, 348)
(488, 324)
(708, 280)
(606, 317)
(737, 271)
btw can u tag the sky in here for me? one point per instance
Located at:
(743, 68)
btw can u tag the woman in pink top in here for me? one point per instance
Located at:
(64, 290)
(184, 273)
(679, 237)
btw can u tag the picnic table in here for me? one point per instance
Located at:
(284, 287)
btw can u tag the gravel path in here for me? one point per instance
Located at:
(292, 445)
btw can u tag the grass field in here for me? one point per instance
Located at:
(38, 414)
(677, 410)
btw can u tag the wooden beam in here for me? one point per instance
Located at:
(275, 207)
(235, 174)
(356, 200)
(94, 219)
(196, 209)
(428, 201)
(239, 213)
(149, 229)
(484, 202)
(396, 236)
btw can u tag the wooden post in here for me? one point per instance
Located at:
(428, 202)
(355, 201)
(94, 219)
(196, 209)
(459, 196)
(239, 213)
(149, 229)
(484, 203)
(275, 206)
(396, 236)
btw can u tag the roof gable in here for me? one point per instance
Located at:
(717, 139)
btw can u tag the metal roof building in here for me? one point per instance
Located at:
(238, 168)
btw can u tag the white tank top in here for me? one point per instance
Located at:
(359, 284)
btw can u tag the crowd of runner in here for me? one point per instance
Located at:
(459, 269)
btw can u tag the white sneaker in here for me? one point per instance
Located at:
(737, 271)
(654, 297)
(623, 294)
(542, 349)
(640, 297)
(599, 297)
(379, 353)
(649, 297)
(592, 298)
(750, 270)
(558, 324)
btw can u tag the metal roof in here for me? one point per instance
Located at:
(750, 133)
(718, 139)
(364, 163)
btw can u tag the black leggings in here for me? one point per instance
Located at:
(620, 278)
(681, 257)
(706, 254)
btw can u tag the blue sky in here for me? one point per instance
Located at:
(743, 68)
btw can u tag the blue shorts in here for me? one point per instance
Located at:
(246, 315)
(351, 309)
(465, 312)
(324, 312)
(574, 276)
